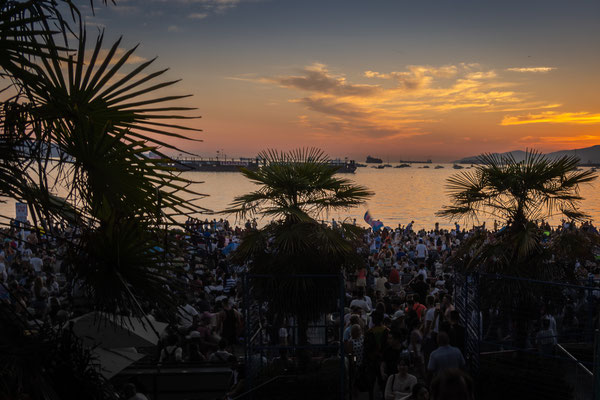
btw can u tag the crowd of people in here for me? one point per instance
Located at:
(402, 335)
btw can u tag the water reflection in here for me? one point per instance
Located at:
(401, 195)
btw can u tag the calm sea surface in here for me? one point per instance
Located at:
(401, 194)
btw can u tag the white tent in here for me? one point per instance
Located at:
(109, 332)
(113, 361)
(114, 339)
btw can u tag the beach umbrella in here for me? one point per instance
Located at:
(112, 361)
(107, 331)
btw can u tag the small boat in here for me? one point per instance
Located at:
(373, 160)
(438, 167)
(402, 166)
(387, 165)
(426, 166)
(594, 169)
(456, 166)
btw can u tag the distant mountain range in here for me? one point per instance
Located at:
(587, 155)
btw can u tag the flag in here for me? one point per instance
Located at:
(375, 224)
(368, 218)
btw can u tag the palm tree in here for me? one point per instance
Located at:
(296, 188)
(521, 194)
(518, 192)
(82, 125)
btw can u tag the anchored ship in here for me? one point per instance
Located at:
(373, 160)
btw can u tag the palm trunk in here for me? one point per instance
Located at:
(303, 353)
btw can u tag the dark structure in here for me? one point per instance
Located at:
(498, 360)
(373, 160)
(301, 377)
(216, 165)
(234, 165)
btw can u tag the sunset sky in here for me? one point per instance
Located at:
(396, 79)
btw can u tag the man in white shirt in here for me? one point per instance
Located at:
(27, 254)
(185, 315)
(421, 251)
(361, 301)
(37, 263)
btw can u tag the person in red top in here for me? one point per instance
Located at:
(418, 307)
(394, 277)
(361, 278)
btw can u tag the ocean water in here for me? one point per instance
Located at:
(401, 195)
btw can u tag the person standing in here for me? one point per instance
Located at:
(394, 277)
(421, 252)
(445, 357)
(455, 331)
(361, 278)
(360, 301)
(355, 350)
(400, 384)
(375, 345)
(230, 322)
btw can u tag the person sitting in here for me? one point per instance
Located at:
(172, 353)
(195, 355)
(221, 355)
(130, 392)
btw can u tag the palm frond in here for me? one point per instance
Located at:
(532, 189)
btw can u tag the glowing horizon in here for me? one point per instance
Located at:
(393, 80)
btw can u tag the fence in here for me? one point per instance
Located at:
(527, 338)
(272, 366)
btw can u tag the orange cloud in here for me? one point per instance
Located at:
(403, 103)
(568, 139)
(362, 122)
(552, 117)
(417, 76)
(531, 69)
